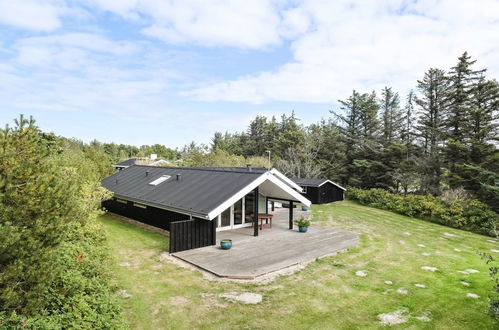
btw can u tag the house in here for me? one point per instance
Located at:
(194, 203)
(126, 163)
(320, 191)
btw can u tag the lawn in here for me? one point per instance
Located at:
(327, 293)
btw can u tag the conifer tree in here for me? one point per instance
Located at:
(432, 104)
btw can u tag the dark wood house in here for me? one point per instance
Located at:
(193, 203)
(320, 191)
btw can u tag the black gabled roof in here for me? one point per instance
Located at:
(308, 182)
(199, 190)
(304, 182)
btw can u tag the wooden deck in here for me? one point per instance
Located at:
(273, 250)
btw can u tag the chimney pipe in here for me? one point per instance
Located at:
(147, 173)
(248, 166)
(116, 181)
(179, 176)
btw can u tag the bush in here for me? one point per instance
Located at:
(462, 213)
(53, 255)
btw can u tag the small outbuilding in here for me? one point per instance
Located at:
(320, 191)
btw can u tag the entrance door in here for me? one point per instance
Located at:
(233, 217)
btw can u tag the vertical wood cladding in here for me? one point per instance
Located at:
(149, 215)
(191, 234)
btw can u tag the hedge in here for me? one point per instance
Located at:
(468, 214)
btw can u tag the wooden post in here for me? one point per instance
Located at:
(291, 206)
(255, 212)
(273, 205)
(214, 231)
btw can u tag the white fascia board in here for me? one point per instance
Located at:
(296, 195)
(246, 190)
(334, 183)
(237, 196)
(287, 180)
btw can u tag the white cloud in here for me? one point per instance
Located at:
(366, 45)
(32, 14)
(245, 24)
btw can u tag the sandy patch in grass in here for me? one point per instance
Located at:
(124, 293)
(472, 295)
(361, 273)
(179, 301)
(388, 282)
(245, 298)
(421, 245)
(407, 233)
(491, 241)
(402, 242)
(420, 285)
(426, 254)
(457, 250)
(465, 283)
(124, 264)
(402, 291)
(430, 268)
(157, 266)
(425, 317)
(450, 235)
(468, 271)
(495, 251)
(396, 317)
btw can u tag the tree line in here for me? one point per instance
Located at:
(442, 135)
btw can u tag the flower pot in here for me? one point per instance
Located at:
(226, 244)
(302, 229)
(304, 208)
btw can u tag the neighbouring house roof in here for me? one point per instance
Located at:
(200, 191)
(127, 163)
(304, 182)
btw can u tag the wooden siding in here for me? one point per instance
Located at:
(326, 193)
(150, 215)
(191, 234)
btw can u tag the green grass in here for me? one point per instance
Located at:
(327, 293)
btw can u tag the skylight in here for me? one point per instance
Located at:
(159, 180)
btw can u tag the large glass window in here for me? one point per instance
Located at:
(249, 205)
(238, 212)
(225, 218)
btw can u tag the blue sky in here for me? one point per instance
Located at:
(170, 72)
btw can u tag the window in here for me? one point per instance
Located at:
(159, 180)
(139, 205)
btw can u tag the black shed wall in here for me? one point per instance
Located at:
(149, 215)
(312, 194)
(328, 193)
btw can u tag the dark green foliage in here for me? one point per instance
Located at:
(52, 252)
(462, 213)
(494, 276)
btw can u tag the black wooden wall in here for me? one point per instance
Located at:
(328, 193)
(192, 234)
(150, 215)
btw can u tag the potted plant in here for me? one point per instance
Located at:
(303, 224)
(226, 244)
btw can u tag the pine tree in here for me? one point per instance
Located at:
(463, 80)
(432, 104)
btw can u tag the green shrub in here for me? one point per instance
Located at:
(467, 214)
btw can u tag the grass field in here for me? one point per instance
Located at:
(327, 293)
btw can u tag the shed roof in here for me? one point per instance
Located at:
(199, 191)
(314, 182)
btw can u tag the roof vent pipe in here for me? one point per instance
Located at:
(179, 176)
(248, 167)
(147, 173)
(116, 181)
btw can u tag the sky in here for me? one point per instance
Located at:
(171, 72)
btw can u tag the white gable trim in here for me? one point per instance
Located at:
(287, 180)
(337, 185)
(257, 182)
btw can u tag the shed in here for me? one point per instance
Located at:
(320, 191)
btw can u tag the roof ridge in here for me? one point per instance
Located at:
(207, 168)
